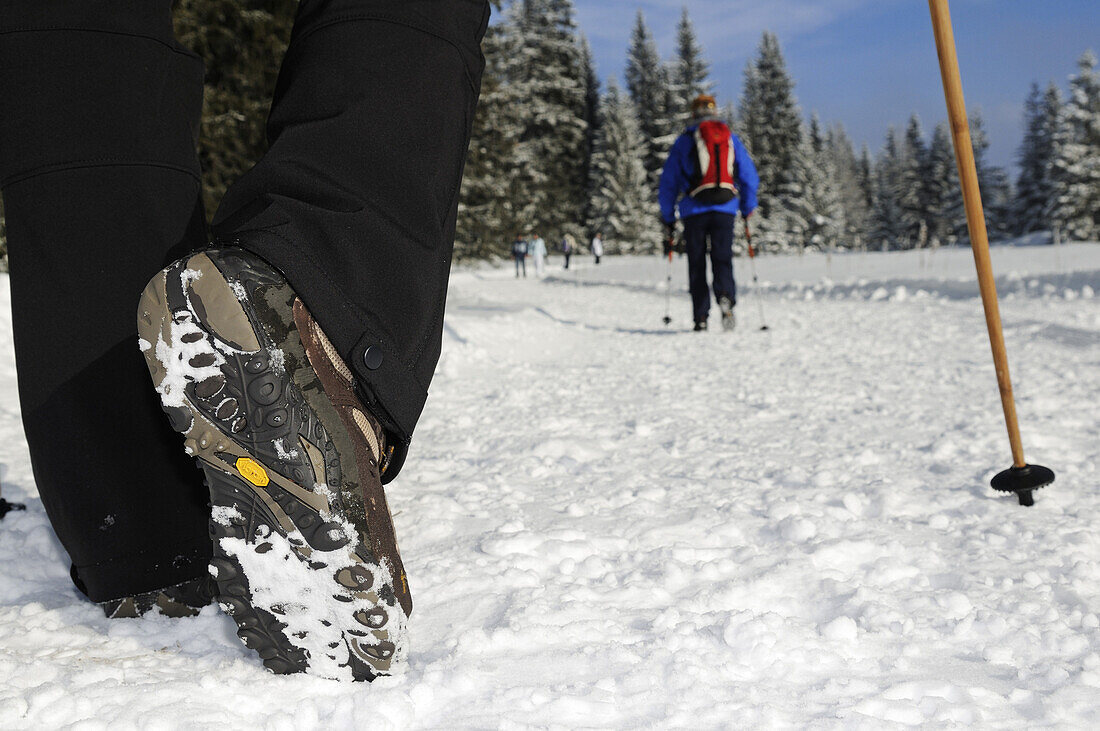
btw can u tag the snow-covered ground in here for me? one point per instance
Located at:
(607, 523)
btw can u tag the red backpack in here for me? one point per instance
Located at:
(712, 183)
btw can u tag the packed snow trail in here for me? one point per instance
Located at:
(607, 523)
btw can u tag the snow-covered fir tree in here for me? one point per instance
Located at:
(993, 181)
(544, 65)
(770, 122)
(771, 126)
(943, 198)
(487, 210)
(887, 227)
(240, 79)
(911, 180)
(793, 223)
(623, 208)
(997, 202)
(1034, 189)
(690, 71)
(1075, 207)
(647, 80)
(825, 215)
(866, 185)
(592, 119)
(852, 186)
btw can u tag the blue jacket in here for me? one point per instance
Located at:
(676, 177)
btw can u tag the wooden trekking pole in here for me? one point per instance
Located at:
(1021, 478)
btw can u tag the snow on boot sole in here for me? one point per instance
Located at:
(728, 319)
(310, 588)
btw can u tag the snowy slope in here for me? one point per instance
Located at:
(610, 524)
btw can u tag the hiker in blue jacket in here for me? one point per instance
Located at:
(710, 167)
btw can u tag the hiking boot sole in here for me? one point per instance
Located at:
(306, 590)
(728, 320)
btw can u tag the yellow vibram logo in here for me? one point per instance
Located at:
(253, 472)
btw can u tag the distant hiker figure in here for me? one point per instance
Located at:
(597, 246)
(712, 171)
(519, 253)
(568, 244)
(537, 249)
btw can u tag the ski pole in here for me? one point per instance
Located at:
(755, 281)
(1021, 478)
(668, 289)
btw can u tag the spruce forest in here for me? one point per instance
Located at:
(542, 93)
(556, 151)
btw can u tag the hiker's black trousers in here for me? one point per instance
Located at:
(715, 229)
(355, 202)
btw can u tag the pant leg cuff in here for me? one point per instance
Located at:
(386, 385)
(130, 575)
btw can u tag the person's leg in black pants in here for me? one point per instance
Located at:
(295, 355)
(720, 231)
(695, 242)
(355, 204)
(100, 181)
(356, 200)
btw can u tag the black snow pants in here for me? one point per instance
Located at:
(355, 202)
(717, 230)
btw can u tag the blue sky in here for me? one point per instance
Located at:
(870, 63)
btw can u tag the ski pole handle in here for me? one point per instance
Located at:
(748, 238)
